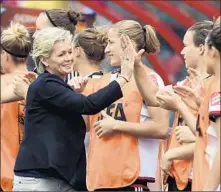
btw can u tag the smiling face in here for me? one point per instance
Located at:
(113, 49)
(60, 61)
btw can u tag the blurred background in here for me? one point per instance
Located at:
(170, 19)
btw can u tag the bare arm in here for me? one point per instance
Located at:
(16, 89)
(188, 116)
(185, 152)
(145, 85)
(154, 128)
(8, 95)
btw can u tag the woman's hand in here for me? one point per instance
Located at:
(20, 85)
(184, 134)
(167, 99)
(165, 166)
(105, 127)
(190, 96)
(194, 80)
(128, 58)
(126, 43)
(191, 91)
(31, 76)
(78, 84)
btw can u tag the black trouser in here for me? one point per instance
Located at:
(173, 187)
(138, 185)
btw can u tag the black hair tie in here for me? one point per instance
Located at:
(14, 54)
(49, 18)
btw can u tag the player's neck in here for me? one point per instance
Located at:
(202, 69)
(88, 68)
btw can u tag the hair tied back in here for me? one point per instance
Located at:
(144, 29)
(74, 20)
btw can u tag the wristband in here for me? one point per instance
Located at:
(124, 78)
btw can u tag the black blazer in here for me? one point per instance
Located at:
(54, 128)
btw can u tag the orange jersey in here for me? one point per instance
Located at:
(12, 120)
(180, 169)
(200, 163)
(117, 161)
(110, 163)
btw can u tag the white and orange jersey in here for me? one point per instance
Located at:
(94, 77)
(89, 89)
(148, 148)
(200, 162)
(117, 161)
(214, 112)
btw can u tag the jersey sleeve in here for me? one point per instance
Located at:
(214, 106)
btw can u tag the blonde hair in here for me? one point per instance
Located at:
(44, 41)
(16, 41)
(145, 37)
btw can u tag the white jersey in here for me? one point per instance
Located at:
(149, 148)
(214, 112)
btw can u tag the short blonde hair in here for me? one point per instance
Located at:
(144, 36)
(16, 41)
(44, 41)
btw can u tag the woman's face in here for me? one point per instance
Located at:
(113, 49)
(190, 50)
(60, 61)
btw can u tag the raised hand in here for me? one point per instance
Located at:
(78, 84)
(20, 85)
(128, 57)
(105, 127)
(192, 91)
(167, 99)
(194, 80)
(127, 43)
(31, 76)
(190, 96)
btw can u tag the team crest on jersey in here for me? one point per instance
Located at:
(214, 104)
(215, 99)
